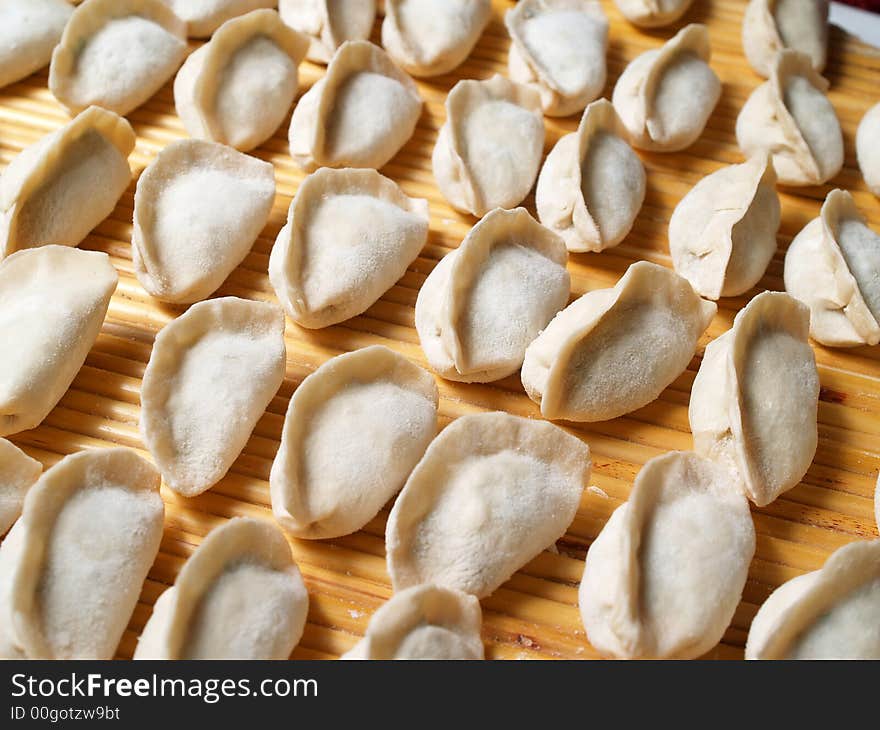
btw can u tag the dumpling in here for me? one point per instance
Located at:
(329, 23)
(203, 17)
(489, 149)
(383, 409)
(868, 148)
(615, 350)
(831, 613)
(359, 114)
(198, 209)
(486, 301)
(423, 622)
(238, 596)
(432, 37)
(755, 398)
(592, 185)
(18, 472)
(48, 193)
(238, 87)
(652, 13)
(664, 577)
(769, 26)
(492, 491)
(832, 266)
(53, 301)
(116, 54)
(72, 567)
(350, 235)
(665, 96)
(211, 374)
(790, 118)
(558, 46)
(29, 30)
(722, 234)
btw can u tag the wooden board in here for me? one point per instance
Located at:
(534, 615)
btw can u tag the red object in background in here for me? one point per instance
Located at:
(872, 5)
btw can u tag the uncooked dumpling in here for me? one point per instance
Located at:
(492, 491)
(238, 596)
(755, 398)
(198, 209)
(382, 409)
(652, 13)
(615, 350)
(487, 300)
(350, 235)
(29, 30)
(211, 374)
(770, 26)
(329, 23)
(18, 472)
(203, 17)
(868, 148)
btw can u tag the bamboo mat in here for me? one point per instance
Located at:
(534, 615)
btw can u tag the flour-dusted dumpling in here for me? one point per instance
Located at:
(558, 46)
(350, 235)
(432, 37)
(868, 148)
(238, 88)
(615, 350)
(770, 26)
(489, 149)
(383, 409)
(53, 300)
(665, 96)
(203, 17)
(592, 185)
(652, 13)
(211, 374)
(492, 491)
(116, 54)
(722, 234)
(29, 30)
(329, 23)
(359, 114)
(72, 567)
(790, 118)
(198, 209)
(238, 596)
(486, 301)
(18, 472)
(830, 613)
(755, 398)
(833, 266)
(58, 189)
(423, 622)
(664, 577)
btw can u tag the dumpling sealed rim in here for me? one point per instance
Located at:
(764, 34)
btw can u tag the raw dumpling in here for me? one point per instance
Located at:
(868, 148)
(615, 350)
(664, 577)
(29, 30)
(238, 87)
(770, 26)
(755, 398)
(18, 472)
(558, 46)
(72, 567)
(489, 150)
(350, 235)
(239, 596)
(592, 185)
(492, 491)
(198, 209)
(831, 613)
(833, 266)
(329, 23)
(486, 301)
(116, 54)
(790, 118)
(432, 37)
(359, 114)
(665, 96)
(53, 301)
(51, 193)
(211, 374)
(423, 622)
(722, 234)
(203, 17)
(652, 13)
(383, 409)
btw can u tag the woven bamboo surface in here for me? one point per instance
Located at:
(534, 615)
